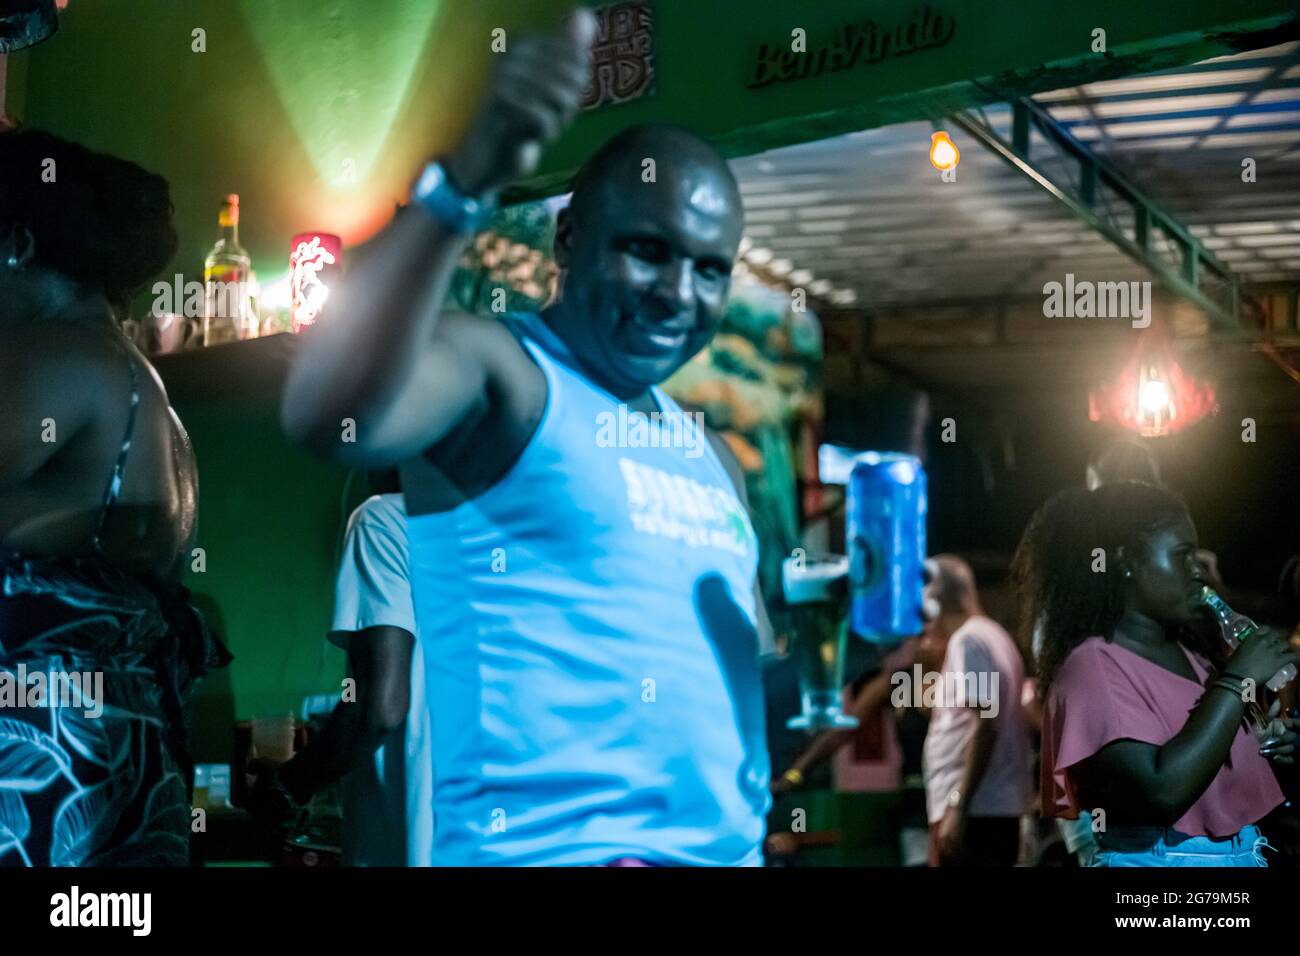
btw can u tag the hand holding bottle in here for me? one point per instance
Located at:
(1237, 628)
(1262, 655)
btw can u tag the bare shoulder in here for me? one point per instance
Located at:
(485, 337)
(49, 376)
(511, 372)
(62, 339)
(64, 357)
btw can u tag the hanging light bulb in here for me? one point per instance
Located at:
(943, 151)
(1152, 395)
(1154, 413)
(1155, 397)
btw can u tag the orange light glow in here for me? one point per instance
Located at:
(1152, 395)
(943, 151)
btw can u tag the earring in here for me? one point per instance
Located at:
(24, 248)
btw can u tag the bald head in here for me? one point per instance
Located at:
(1123, 460)
(678, 154)
(953, 586)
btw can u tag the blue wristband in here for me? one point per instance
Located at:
(445, 203)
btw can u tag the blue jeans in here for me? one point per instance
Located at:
(1160, 846)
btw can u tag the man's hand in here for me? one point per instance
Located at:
(391, 365)
(952, 833)
(532, 96)
(788, 782)
(262, 801)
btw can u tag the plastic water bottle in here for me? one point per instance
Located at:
(1236, 628)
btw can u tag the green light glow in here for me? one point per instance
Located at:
(342, 72)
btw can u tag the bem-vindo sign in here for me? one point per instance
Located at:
(854, 44)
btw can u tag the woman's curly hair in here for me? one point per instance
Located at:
(101, 221)
(1053, 575)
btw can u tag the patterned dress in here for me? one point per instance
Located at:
(101, 778)
(94, 770)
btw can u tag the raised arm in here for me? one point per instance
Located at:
(388, 361)
(870, 700)
(1156, 785)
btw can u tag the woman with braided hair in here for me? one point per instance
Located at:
(1144, 717)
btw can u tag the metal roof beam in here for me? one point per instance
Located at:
(1194, 259)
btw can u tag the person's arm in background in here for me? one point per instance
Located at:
(1209, 562)
(975, 762)
(389, 363)
(968, 655)
(379, 660)
(374, 620)
(870, 699)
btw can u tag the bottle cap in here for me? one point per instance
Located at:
(230, 210)
(1211, 599)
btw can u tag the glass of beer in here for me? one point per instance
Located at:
(816, 588)
(273, 736)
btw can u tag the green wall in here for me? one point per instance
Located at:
(270, 521)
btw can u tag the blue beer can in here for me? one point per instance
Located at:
(886, 542)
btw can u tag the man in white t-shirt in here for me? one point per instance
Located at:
(976, 758)
(378, 737)
(387, 802)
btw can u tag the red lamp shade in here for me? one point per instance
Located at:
(315, 265)
(1152, 395)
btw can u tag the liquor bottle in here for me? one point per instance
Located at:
(225, 282)
(1236, 628)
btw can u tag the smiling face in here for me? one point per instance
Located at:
(1166, 576)
(647, 266)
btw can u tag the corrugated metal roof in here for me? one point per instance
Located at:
(865, 220)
